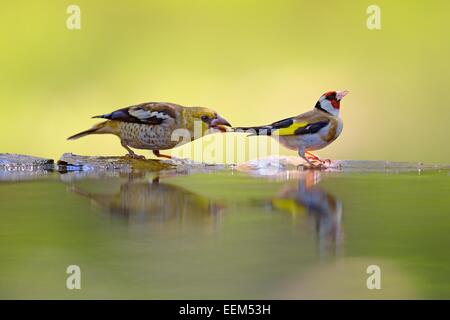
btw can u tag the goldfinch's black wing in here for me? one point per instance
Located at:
(267, 130)
(301, 127)
(289, 126)
(146, 113)
(311, 128)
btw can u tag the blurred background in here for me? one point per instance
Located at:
(254, 62)
(219, 235)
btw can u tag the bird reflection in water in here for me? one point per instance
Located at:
(156, 203)
(164, 204)
(323, 210)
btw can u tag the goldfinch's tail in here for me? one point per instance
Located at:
(254, 131)
(99, 128)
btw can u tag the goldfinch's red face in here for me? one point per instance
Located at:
(330, 101)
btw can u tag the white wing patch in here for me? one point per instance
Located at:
(147, 114)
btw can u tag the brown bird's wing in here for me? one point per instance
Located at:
(145, 113)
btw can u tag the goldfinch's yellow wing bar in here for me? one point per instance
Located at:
(288, 131)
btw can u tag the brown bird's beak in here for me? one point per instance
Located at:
(220, 123)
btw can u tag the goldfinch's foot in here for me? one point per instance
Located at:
(134, 156)
(313, 159)
(311, 156)
(317, 165)
(314, 164)
(321, 162)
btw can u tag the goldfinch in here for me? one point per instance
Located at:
(309, 131)
(150, 126)
(323, 208)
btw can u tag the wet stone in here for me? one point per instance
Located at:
(275, 165)
(13, 160)
(18, 167)
(73, 162)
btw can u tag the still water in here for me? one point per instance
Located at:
(295, 235)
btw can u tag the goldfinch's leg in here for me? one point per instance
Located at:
(311, 164)
(312, 156)
(316, 158)
(156, 153)
(301, 153)
(131, 153)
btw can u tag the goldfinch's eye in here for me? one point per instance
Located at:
(204, 118)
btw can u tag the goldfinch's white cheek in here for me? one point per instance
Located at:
(327, 106)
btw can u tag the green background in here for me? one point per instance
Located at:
(253, 61)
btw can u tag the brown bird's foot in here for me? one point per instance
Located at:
(131, 153)
(156, 153)
(134, 156)
(155, 180)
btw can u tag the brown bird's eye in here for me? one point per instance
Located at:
(204, 118)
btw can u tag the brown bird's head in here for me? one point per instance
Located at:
(208, 118)
(330, 101)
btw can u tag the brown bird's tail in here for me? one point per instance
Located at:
(99, 128)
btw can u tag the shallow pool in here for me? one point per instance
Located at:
(296, 235)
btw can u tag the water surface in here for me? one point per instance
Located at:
(226, 235)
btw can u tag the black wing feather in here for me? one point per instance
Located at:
(282, 123)
(125, 116)
(267, 130)
(311, 128)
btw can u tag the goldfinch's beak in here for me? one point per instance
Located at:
(341, 94)
(220, 123)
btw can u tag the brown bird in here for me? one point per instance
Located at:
(151, 126)
(162, 204)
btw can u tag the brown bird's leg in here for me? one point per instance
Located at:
(155, 180)
(156, 153)
(131, 153)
